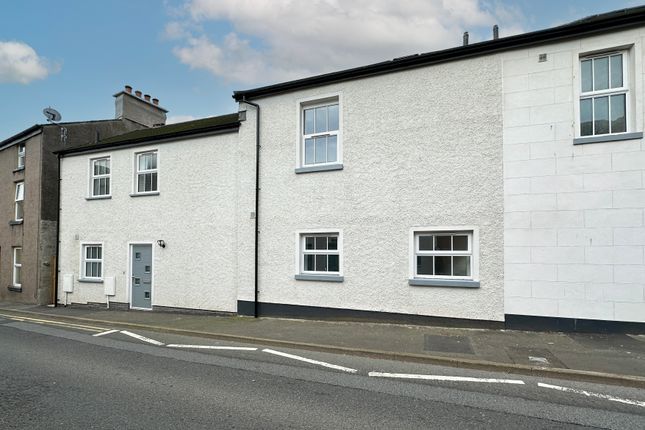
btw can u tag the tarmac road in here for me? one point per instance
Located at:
(65, 376)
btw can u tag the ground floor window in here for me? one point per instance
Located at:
(320, 253)
(17, 267)
(92, 266)
(443, 254)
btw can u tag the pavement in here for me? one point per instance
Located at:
(605, 358)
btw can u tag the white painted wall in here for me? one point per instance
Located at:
(420, 148)
(574, 232)
(195, 213)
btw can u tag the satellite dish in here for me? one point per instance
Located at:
(51, 114)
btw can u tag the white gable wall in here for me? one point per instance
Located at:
(574, 231)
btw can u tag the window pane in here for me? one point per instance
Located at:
(333, 117)
(616, 71)
(309, 151)
(309, 242)
(333, 263)
(332, 242)
(18, 255)
(618, 118)
(99, 269)
(443, 243)
(142, 162)
(97, 188)
(309, 121)
(321, 242)
(88, 269)
(153, 176)
(601, 115)
(321, 119)
(19, 210)
(17, 275)
(321, 263)
(586, 120)
(20, 191)
(460, 243)
(321, 149)
(442, 265)
(152, 163)
(424, 265)
(461, 266)
(601, 73)
(99, 252)
(425, 243)
(331, 148)
(309, 263)
(586, 74)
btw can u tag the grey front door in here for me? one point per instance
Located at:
(142, 276)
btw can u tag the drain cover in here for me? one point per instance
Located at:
(454, 344)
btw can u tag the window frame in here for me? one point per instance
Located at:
(94, 177)
(16, 268)
(626, 89)
(300, 238)
(137, 172)
(83, 260)
(19, 201)
(311, 103)
(22, 153)
(473, 243)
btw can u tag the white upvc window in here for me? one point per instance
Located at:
(19, 201)
(320, 253)
(443, 254)
(92, 261)
(320, 133)
(147, 171)
(21, 156)
(604, 94)
(17, 267)
(100, 177)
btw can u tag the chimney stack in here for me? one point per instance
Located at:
(145, 111)
(465, 38)
(495, 32)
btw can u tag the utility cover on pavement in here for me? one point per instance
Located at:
(534, 356)
(451, 344)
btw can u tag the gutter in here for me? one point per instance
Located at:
(257, 201)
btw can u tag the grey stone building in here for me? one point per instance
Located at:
(29, 193)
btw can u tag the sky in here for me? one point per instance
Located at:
(73, 55)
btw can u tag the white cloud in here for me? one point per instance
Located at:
(179, 118)
(20, 63)
(301, 38)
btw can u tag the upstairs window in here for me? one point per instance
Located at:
(147, 169)
(604, 94)
(19, 201)
(100, 183)
(320, 134)
(92, 261)
(21, 156)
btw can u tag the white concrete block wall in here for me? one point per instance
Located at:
(420, 148)
(195, 214)
(574, 221)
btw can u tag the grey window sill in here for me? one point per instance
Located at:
(608, 138)
(18, 170)
(155, 193)
(90, 281)
(457, 283)
(321, 168)
(321, 278)
(14, 289)
(16, 222)
(98, 197)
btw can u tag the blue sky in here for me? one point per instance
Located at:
(191, 54)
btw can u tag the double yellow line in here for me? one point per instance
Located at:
(55, 323)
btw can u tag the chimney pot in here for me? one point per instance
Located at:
(128, 89)
(147, 97)
(465, 38)
(155, 102)
(495, 32)
(138, 93)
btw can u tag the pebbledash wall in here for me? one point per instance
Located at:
(574, 230)
(419, 149)
(194, 213)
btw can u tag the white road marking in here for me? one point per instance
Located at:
(590, 394)
(231, 348)
(309, 360)
(142, 338)
(41, 321)
(104, 333)
(445, 378)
